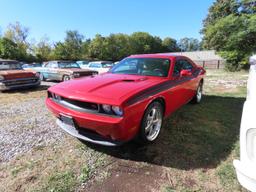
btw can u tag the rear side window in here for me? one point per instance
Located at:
(187, 65)
(181, 64)
(177, 68)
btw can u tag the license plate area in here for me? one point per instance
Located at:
(67, 120)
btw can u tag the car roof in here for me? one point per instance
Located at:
(155, 55)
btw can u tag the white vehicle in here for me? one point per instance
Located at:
(246, 166)
(100, 66)
(83, 64)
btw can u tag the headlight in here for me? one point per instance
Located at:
(37, 75)
(117, 110)
(107, 108)
(1, 78)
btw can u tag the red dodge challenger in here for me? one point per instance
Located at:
(129, 101)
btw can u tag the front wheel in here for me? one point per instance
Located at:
(199, 94)
(66, 78)
(152, 122)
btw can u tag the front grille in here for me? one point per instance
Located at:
(19, 82)
(74, 104)
(88, 73)
(82, 104)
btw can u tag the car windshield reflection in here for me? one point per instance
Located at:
(10, 66)
(68, 65)
(143, 66)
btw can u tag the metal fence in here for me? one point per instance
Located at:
(211, 64)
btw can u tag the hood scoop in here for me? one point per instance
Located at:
(128, 80)
(134, 80)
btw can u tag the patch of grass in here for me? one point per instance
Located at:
(16, 170)
(227, 175)
(85, 173)
(60, 182)
(168, 189)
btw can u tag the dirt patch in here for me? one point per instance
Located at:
(130, 176)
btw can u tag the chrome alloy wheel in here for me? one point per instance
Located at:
(199, 93)
(66, 78)
(153, 123)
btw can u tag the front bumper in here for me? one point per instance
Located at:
(19, 83)
(87, 136)
(114, 130)
(246, 175)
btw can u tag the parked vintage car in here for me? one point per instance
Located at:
(12, 76)
(130, 100)
(63, 71)
(31, 66)
(83, 63)
(100, 66)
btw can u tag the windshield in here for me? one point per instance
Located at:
(68, 65)
(143, 66)
(10, 66)
(107, 65)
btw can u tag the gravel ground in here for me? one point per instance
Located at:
(26, 124)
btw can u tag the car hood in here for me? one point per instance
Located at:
(16, 74)
(106, 88)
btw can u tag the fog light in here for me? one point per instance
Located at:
(106, 108)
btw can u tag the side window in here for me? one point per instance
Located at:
(95, 65)
(187, 65)
(177, 68)
(48, 65)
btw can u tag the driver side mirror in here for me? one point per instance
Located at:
(185, 73)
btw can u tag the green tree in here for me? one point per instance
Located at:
(248, 6)
(18, 34)
(220, 9)
(117, 46)
(71, 48)
(170, 45)
(8, 49)
(43, 50)
(189, 44)
(97, 48)
(233, 34)
(141, 42)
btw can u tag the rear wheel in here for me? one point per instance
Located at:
(199, 94)
(66, 78)
(151, 123)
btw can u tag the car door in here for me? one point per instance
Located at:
(45, 70)
(178, 90)
(53, 71)
(175, 94)
(190, 82)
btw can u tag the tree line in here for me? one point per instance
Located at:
(230, 28)
(14, 44)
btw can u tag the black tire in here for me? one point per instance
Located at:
(199, 94)
(144, 134)
(66, 78)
